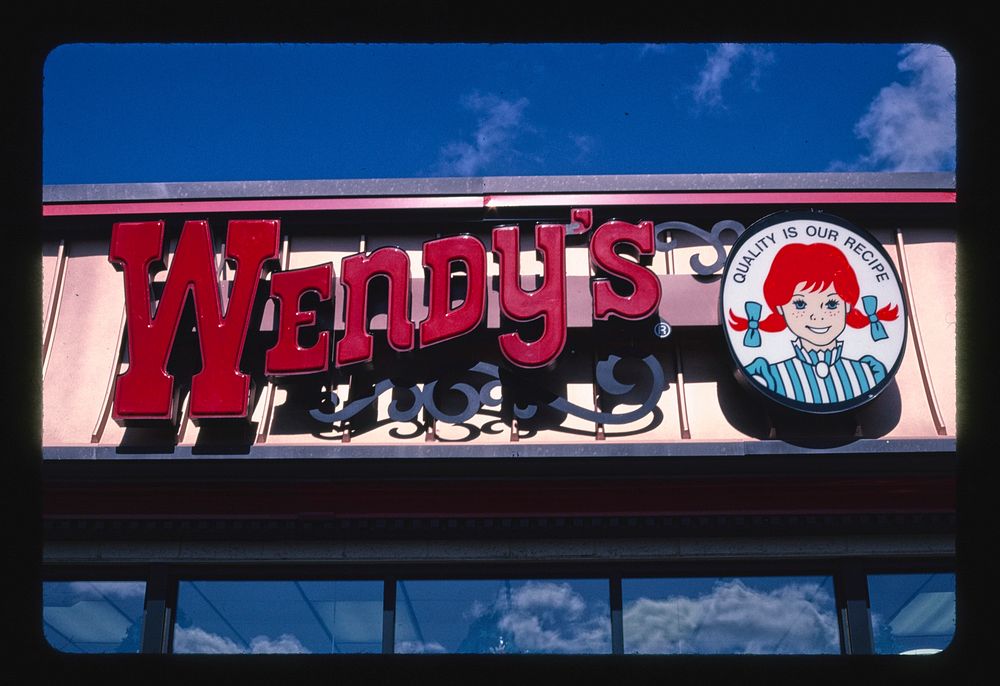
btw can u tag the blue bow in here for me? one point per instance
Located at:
(751, 338)
(870, 304)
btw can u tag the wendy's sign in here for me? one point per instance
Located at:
(221, 390)
(815, 315)
(812, 309)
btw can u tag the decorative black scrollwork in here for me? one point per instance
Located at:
(713, 239)
(476, 398)
(608, 383)
(409, 414)
(353, 407)
(420, 398)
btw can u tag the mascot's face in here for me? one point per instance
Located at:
(817, 316)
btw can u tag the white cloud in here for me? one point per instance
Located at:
(719, 68)
(285, 644)
(500, 123)
(652, 48)
(734, 618)
(111, 589)
(911, 126)
(583, 144)
(548, 617)
(197, 640)
(411, 647)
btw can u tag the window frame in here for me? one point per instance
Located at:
(849, 575)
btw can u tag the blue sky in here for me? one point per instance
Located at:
(117, 113)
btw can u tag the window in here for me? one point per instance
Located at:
(758, 615)
(93, 616)
(908, 609)
(912, 613)
(278, 617)
(503, 616)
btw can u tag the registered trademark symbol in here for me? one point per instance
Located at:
(661, 330)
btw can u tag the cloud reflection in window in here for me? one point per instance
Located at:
(503, 617)
(290, 616)
(735, 616)
(197, 640)
(93, 616)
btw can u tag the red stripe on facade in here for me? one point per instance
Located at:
(498, 201)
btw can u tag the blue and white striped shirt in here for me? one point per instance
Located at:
(818, 376)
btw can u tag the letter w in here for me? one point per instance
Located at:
(146, 390)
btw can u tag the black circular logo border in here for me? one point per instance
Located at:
(741, 375)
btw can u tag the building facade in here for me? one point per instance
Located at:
(499, 415)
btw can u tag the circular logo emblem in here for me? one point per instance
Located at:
(813, 311)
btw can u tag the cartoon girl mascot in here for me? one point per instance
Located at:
(813, 291)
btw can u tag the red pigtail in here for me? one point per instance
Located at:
(737, 323)
(773, 323)
(857, 319)
(888, 313)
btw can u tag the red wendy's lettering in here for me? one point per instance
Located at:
(356, 272)
(444, 322)
(287, 356)
(145, 391)
(547, 301)
(220, 389)
(645, 296)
